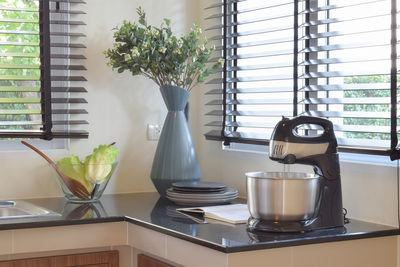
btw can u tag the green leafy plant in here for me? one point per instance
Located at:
(158, 54)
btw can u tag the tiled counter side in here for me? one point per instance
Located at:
(145, 223)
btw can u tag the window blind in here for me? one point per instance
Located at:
(258, 78)
(345, 69)
(335, 59)
(41, 69)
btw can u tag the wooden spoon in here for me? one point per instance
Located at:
(76, 188)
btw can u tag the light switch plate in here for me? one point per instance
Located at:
(153, 132)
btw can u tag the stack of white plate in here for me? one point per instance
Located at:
(201, 193)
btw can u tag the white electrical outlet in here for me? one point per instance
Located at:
(153, 132)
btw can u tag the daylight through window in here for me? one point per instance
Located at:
(41, 69)
(330, 58)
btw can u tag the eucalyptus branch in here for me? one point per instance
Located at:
(161, 75)
(151, 78)
(194, 83)
(184, 78)
(138, 46)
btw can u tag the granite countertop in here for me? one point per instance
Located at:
(150, 211)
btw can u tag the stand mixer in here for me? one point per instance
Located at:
(320, 151)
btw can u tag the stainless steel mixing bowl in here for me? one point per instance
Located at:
(282, 196)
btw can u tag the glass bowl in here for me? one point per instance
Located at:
(94, 177)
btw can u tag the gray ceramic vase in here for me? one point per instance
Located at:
(175, 159)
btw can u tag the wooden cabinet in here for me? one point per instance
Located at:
(146, 261)
(96, 259)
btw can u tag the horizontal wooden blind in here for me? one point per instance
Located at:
(42, 69)
(345, 68)
(259, 81)
(335, 59)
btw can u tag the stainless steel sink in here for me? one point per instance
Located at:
(22, 209)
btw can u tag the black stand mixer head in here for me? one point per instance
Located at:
(320, 151)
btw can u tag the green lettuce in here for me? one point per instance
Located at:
(75, 169)
(98, 166)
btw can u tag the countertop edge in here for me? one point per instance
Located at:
(311, 241)
(42, 224)
(176, 234)
(205, 243)
(270, 245)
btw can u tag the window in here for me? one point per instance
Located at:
(326, 58)
(41, 69)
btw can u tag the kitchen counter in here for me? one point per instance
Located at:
(149, 211)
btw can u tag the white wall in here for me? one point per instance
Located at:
(120, 106)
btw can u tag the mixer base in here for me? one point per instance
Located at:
(285, 227)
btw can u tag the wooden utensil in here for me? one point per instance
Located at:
(76, 188)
